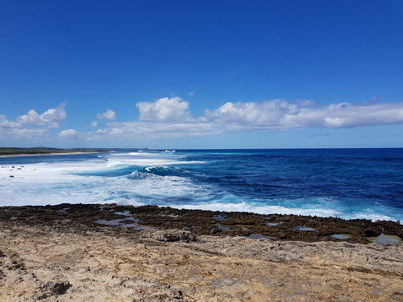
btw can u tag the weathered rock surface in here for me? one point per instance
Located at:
(198, 222)
(56, 254)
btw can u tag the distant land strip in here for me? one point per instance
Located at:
(44, 150)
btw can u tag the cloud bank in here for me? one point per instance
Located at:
(279, 114)
(172, 118)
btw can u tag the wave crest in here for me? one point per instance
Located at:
(163, 171)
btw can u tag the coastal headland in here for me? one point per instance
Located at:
(82, 252)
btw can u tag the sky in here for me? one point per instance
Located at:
(201, 74)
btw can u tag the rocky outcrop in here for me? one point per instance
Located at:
(129, 219)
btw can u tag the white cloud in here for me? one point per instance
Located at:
(279, 114)
(50, 118)
(170, 118)
(268, 113)
(346, 115)
(13, 130)
(6, 124)
(164, 110)
(144, 130)
(107, 115)
(69, 133)
(32, 125)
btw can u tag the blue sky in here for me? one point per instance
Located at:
(201, 74)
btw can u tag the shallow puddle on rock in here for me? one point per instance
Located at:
(63, 210)
(121, 223)
(305, 229)
(222, 228)
(273, 223)
(260, 236)
(386, 239)
(125, 213)
(341, 236)
(219, 217)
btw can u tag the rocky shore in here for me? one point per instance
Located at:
(122, 253)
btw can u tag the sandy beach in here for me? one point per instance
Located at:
(60, 254)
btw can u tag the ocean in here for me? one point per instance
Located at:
(345, 183)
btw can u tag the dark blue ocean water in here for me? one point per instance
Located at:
(347, 183)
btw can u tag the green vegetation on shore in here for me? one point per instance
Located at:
(42, 150)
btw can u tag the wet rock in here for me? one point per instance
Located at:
(81, 218)
(169, 235)
(371, 233)
(184, 237)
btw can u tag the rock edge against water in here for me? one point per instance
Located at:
(123, 219)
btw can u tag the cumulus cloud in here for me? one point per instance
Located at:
(258, 114)
(107, 115)
(32, 125)
(9, 129)
(69, 133)
(164, 110)
(279, 114)
(50, 118)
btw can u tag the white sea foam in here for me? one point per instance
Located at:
(148, 159)
(72, 182)
(245, 207)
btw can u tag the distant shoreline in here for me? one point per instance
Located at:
(52, 153)
(40, 151)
